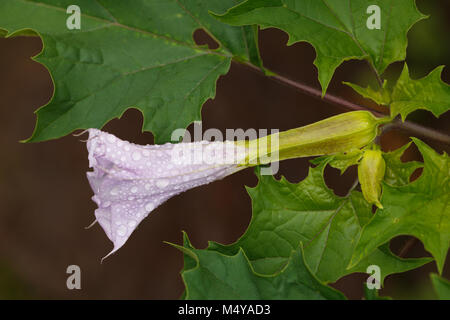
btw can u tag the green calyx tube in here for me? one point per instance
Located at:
(341, 133)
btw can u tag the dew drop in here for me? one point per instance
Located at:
(122, 230)
(149, 207)
(114, 192)
(134, 190)
(136, 156)
(162, 183)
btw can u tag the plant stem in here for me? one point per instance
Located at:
(413, 128)
(423, 131)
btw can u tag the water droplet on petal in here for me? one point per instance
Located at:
(114, 192)
(149, 206)
(122, 230)
(134, 190)
(162, 183)
(136, 156)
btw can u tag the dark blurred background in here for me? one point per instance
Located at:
(45, 197)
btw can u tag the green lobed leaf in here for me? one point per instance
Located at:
(285, 214)
(420, 209)
(441, 286)
(217, 276)
(398, 173)
(336, 30)
(380, 96)
(372, 294)
(429, 93)
(340, 161)
(127, 56)
(407, 95)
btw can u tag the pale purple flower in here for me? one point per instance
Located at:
(129, 181)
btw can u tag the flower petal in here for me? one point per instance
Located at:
(129, 181)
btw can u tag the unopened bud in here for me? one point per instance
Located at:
(370, 173)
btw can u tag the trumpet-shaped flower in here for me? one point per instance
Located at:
(129, 181)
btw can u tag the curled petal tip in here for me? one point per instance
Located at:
(91, 225)
(104, 258)
(80, 133)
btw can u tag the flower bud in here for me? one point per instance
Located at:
(370, 173)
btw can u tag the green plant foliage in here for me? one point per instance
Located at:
(338, 32)
(429, 93)
(441, 286)
(372, 294)
(285, 214)
(340, 161)
(380, 95)
(128, 56)
(398, 172)
(212, 275)
(420, 208)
